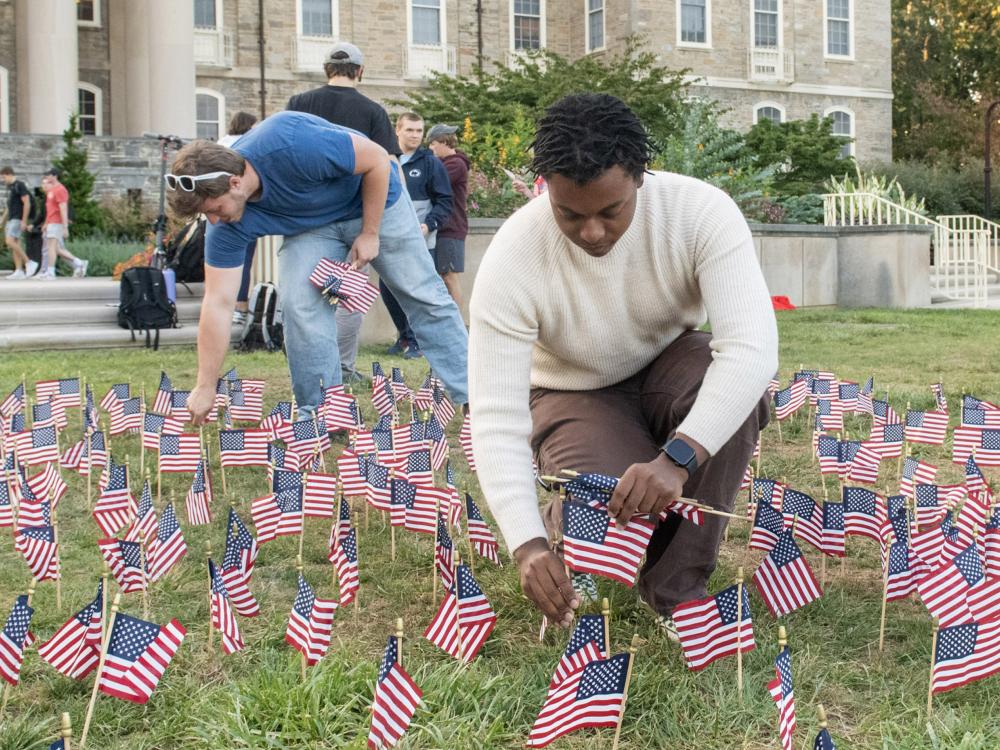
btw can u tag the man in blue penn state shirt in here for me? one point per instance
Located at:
(333, 194)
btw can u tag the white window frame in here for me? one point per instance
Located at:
(774, 105)
(604, 26)
(218, 96)
(781, 23)
(334, 22)
(854, 124)
(542, 40)
(850, 32)
(4, 100)
(442, 26)
(96, 23)
(219, 21)
(707, 44)
(98, 104)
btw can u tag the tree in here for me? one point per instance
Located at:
(79, 182)
(805, 152)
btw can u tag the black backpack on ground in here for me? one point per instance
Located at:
(264, 329)
(143, 303)
(186, 253)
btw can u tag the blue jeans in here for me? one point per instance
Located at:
(310, 324)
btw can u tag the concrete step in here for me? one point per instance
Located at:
(81, 313)
(100, 289)
(992, 277)
(61, 337)
(939, 299)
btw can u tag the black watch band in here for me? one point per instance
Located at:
(681, 454)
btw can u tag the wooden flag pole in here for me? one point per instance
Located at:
(606, 614)
(935, 628)
(822, 560)
(105, 582)
(142, 429)
(899, 466)
(7, 686)
(739, 631)
(821, 714)
(457, 560)
(399, 641)
(780, 439)
(633, 647)
(211, 627)
(65, 729)
(100, 668)
(145, 579)
(885, 600)
(468, 537)
(392, 526)
(434, 574)
(55, 541)
(303, 659)
(90, 467)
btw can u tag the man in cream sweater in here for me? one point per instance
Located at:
(584, 351)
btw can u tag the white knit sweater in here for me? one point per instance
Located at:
(545, 314)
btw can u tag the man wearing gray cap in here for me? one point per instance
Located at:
(340, 102)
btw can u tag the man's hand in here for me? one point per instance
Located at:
(364, 250)
(200, 402)
(646, 488)
(424, 230)
(544, 581)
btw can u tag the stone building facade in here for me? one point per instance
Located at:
(184, 66)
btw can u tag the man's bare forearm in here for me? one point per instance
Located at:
(214, 330)
(374, 191)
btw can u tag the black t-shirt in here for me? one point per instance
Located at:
(15, 194)
(343, 105)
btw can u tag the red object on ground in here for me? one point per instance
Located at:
(780, 302)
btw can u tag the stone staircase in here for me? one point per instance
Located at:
(68, 313)
(942, 301)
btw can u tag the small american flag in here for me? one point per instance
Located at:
(6, 506)
(237, 566)
(781, 691)
(38, 547)
(166, 548)
(400, 390)
(883, 413)
(396, 699)
(127, 417)
(154, 425)
(377, 487)
(939, 398)
(44, 415)
(934, 500)
(246, 405)
(14, 639)
(974, 480)
(161, 404)
(887, 440)
(144, 525)
(407, 438)
(419, 468)
(586, 645)
(928, 427)
(848, 450)
(341, 411)
(310, 623)
(223, 619)
(341, 284)
(984, 600)
(768, 524)
(784, 580)
(198, 501)
(138, 655)
(179, 453)
(443, 409)
(971, 402)
(90, 415)
(828, 452)
(423, 399)
(277, 419)
(14, 402)
(74, 455)
(455, 502)
(915, 471)
(345, 562)
(439, 443)
(901, 568)
(243, 447)
(115, 507)
(48, 483)
(713, 628)
(847, 395)
(945, 589)
(319, 497)
(984, 441)
(306, 438)
(278, 514)
(801, 508)
(465, 439)
(115, 395)
(830, 414)
(423, 508)
(468, 612)
(932, 543)
(37, 445)
(33, 512)
(865, 463)
(66, 391)
(822, 386)
(594, 544)
(353, 471)
(125, 560)
(480, 535)
(789, 400)
(863, 512)
(591, 697)
(75, 648)
(444, 553)
(383, 398)
(964, 654)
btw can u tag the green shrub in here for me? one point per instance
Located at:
(882, 186)
(801, 209)
(103, 253)
(125, 218)
(804, 153)
(945, 190)
(491, 197)
(79, 182)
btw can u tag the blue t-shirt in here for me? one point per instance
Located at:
(306, 169)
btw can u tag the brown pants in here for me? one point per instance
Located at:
(610, 429)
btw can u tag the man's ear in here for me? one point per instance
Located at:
(235, 180)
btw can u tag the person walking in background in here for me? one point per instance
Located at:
(18, 214)
(430, 191)
(240, 123)
(57, 228)
(340, 102)
(449, 252)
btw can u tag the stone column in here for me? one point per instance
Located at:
(171, 67)
(48, 64)
(128, 41)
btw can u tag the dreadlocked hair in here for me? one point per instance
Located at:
(581, 136)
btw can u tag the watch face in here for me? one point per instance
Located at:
(680, 452)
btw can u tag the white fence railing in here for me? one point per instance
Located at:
(965, 222)
(265, 260)
(960, 251)
(771, 64)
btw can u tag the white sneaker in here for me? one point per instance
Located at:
(49, 275)
(17, 275)
(84, 264)
(30, 269)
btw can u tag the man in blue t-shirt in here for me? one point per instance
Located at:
(333, 194)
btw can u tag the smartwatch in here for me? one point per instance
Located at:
(681, 454)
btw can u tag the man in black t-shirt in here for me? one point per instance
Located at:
(340, 102)
(18, 215)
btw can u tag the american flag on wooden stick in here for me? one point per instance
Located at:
(480, 535)
(237, 566)
(464, 620)
(115, 507)
(14, 639)
(127, 417)
(713, 627)
(243, 447)
(594, 544)
(37, 445)
(138, 655)
(310, 623)
(444, 553)
(341, 284)
(179, 453)
(929, 427)
(784, 580)
(14, 402)
(166, 548)
(124, 558)
(396, 699)
(345, 562)
(783, 694)
(915, 471)
(223, 619)
(37, 544)
(65, 390)
(198, 500)
(944, 591)
(277, 514)
(48, 483)
(965, 653)
(75, 648)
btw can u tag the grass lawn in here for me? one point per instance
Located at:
(255, 699)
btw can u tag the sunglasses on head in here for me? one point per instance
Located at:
(186, 182)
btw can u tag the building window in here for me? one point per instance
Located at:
(838, 28)
(527, 25)
(773, 112)
(843, 125)
(316, 17)
(765, 23)
(205, 14)
(88, 109)
(694, 22)
(426, 23)
(210, 113)
(4, 100)
(595, 24)
(88, 12)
